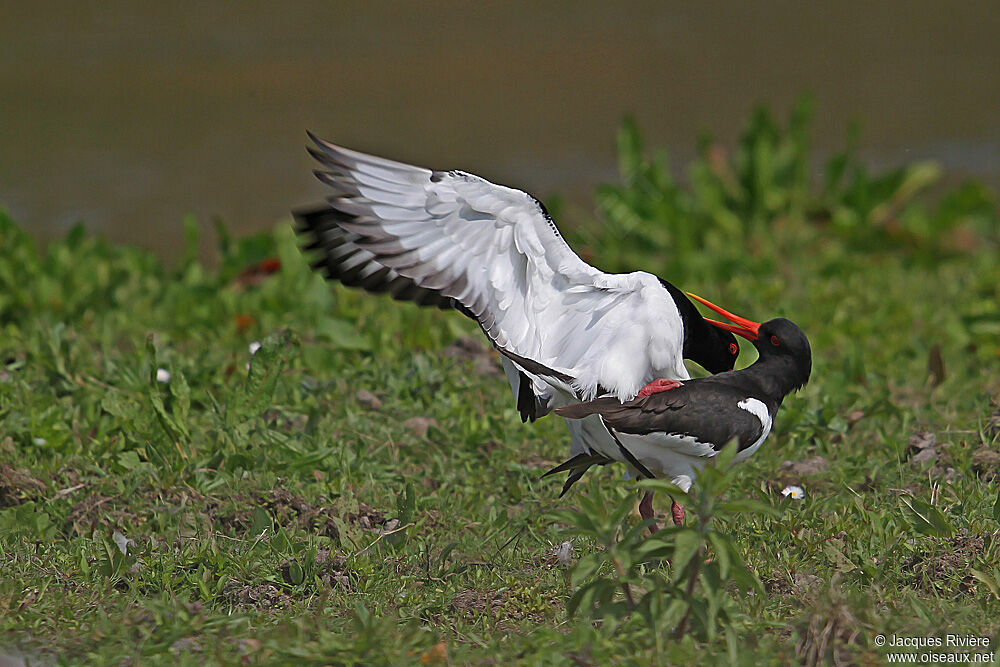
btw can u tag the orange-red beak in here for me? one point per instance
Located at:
(742, 327)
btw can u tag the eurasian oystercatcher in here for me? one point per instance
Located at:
(453, 240)
(679, 426)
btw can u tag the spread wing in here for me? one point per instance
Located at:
(494, 252)
(344, 260)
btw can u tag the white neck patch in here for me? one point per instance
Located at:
(758, 409)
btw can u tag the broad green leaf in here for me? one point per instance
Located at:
(927, 519)
(722, 548)
(182, 398)
(724, 459)
(987, 580)
(295, 573)
(687, 544)
(747, 506)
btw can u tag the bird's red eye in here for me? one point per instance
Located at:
(734, 348)
(775, 341)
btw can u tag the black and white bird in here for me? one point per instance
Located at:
(674, 431)
(453, 240)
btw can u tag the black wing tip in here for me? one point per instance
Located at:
(533, 366)
(526, 402)
(310, 214)
(315, 138)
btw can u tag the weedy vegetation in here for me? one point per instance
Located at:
(361, 490)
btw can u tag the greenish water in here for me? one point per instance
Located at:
(129, 117)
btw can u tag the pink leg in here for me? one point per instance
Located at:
(646, 509)
(678, 514)
(656, 386)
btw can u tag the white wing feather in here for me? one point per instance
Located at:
(495, 250)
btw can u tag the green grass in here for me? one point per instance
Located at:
(281, 514)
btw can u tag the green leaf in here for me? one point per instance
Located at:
(191, 238)
(295, 573)
(443, 557)
(342, 334)
(927, 519)
(586, 566)
(724, 460)
(266, 366)
(129, 460)
(118, 405)
(741, 574)
(987, 580)
(405, 507)
(406, 503)
(747, 506)
(166, 420)
(181, 392)
(687, 543)
(584, 597)
(261, 522)
(722, 548)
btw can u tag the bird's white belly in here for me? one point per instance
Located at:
(675, 457)
(589, 435)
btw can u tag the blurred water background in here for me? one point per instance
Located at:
(128, 116)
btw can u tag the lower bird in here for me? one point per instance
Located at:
(679, 426)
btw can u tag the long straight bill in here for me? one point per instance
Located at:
(741, 327)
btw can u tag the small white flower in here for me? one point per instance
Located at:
(254, 346)
(162, 375)
(39, 441)
(793, 492)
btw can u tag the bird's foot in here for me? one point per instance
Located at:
(646, 510)
(656, 386)
(677, 511)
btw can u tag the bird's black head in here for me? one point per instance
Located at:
(785, 357)
(782, 341)
(713, 349)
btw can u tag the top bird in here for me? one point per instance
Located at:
(454, 240)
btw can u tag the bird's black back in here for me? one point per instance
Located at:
(704, 409)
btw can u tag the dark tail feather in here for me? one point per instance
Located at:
(526, 402)
(576, 467)
(573, 478)
(534, 367)
(594, 407)
(580, 460)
